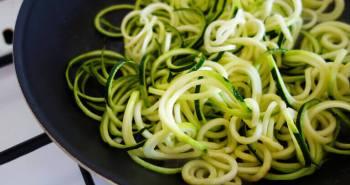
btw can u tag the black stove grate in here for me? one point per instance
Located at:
(24, 148)
(5, 60)
(32, 144)
(87, 176)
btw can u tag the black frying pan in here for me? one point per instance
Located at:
(49, 33)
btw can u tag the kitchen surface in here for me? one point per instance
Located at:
(20, 132)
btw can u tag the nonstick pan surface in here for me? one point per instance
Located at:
(49, 33)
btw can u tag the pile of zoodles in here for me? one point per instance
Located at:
(221, 91)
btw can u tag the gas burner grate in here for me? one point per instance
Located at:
(4, 60)
(31, 145)
(8, 13)
(24, 148)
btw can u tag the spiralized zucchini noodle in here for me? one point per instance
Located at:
(221, 91)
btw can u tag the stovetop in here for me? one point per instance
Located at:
(27, 155)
